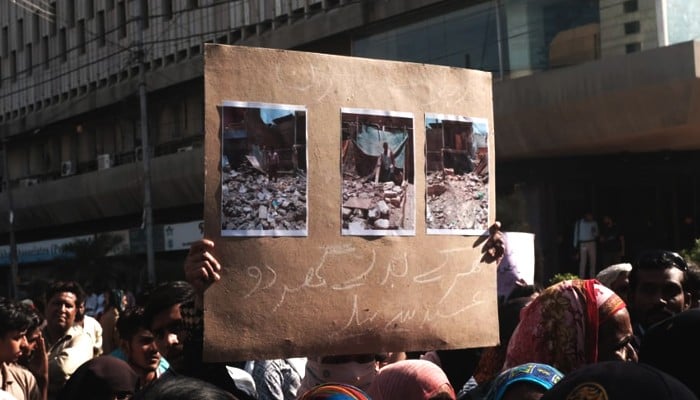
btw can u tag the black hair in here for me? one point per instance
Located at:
(658, 260)
(130, 322)
(66, 286)
(182, 387)
(13, 317)
(166, 295)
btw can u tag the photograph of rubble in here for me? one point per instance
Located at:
(457, 192)
(377, 167)
(263, 169)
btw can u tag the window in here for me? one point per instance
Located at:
(109, 5)
(28, 59)
(35, 28)
(20, 33)
(101, 29)
(13, 66)
(52, 23)
(121, 19)
(70, 13)
(192, 4)
(62, 45)
(630, 6)
(89, 9)
(144, 14)
(167, 10)
(5, 41)
(45, 51)
(81, 36)
(633, 47)
(632, 27)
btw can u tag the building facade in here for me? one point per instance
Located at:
(570, 79)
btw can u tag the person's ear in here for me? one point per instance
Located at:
(688, 299)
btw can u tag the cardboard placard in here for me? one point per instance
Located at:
(323, 251)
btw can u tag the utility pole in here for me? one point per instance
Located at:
(498, 36)
(14, 271)
(146, 154)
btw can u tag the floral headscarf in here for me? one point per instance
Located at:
(334, 391)
(542, 375)
(560, 327)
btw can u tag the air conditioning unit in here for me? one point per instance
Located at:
(138, 153)
(28, 182)
(67, 168)
(182, 149)
(104, 161)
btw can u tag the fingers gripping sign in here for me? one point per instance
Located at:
(201, 267)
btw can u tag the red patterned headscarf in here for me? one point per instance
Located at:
(560, 327)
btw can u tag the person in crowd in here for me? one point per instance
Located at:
(616, 277)
(611, 241)
(93, 302)
(138, 346)
(91, 326)
(68, 346)
(411, 380)
(16, 380)
(335, 391)
(528, 381)
(277, 379)
(6, 396)
(585, 238)
(459, 365)
(693, 283)
(33, 355)
(115, 301)
(571, 324)
(492, 358)
(672, 346)
(385, 165)
(273, 166)
(657, 289)
(174, 311)
(101, 378)
(612, 380)
(163, 313)
(355, 369)
(182, 387)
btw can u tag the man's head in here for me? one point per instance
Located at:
(33, 333)
(137, 341)
(657, 287)
(162, 312)
(14, 321)
(63, 300)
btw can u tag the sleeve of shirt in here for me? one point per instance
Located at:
(268, 381)
(78, 350)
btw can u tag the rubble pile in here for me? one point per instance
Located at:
(370, 206)
(252, 202)
(457, 201)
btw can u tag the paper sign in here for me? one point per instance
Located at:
(324, 251)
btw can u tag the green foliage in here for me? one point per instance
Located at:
(693, 253)
(565, 276)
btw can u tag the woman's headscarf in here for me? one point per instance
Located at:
(560, 327)
(540, 374)
(335, 391)
(410, 380)
(615, 380)
(100, 378)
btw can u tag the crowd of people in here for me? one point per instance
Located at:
(628, 332)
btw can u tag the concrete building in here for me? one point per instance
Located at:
(593, 101)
